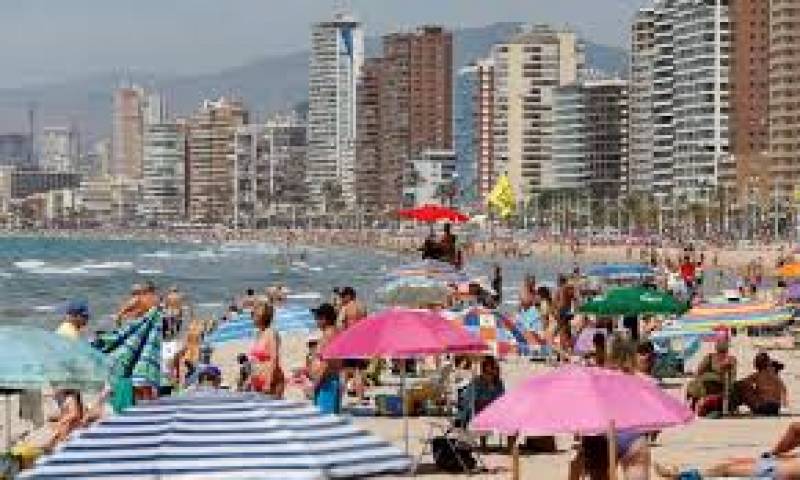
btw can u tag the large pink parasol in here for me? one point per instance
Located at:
(582, 400)
(402, 333)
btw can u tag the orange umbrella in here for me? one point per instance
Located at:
(790, 270)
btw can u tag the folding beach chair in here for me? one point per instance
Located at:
(453, 449)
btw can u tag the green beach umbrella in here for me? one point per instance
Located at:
(136, 351)
(34, 358)
(147, 369)
(633, 301)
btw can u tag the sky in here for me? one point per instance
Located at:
(48, 41)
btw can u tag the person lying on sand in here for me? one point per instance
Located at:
(777, 463)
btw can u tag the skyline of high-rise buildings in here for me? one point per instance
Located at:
(707, 108)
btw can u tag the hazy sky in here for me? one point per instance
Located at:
(50, 40)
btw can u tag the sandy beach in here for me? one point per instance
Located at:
(703, 442)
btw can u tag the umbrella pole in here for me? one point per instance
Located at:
(8, 424)
(404, 403)
(515, 470)
(612, 452)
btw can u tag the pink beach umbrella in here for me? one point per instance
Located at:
(584, 401)
(403, 333)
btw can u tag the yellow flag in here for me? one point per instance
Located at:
(502, 197)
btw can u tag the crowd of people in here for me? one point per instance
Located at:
(713, 388)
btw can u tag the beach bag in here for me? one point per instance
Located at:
(452, 456)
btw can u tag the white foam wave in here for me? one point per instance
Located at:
(158, 254)
(45, 308)
(315, 269)
(28, 264)
(304, 296)
(108, 266)
(149, 272)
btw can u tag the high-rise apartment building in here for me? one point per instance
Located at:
(701, 101)
(374, 186)
(60, 149)
(661, 173)
(269, 161)
(685, 90)
(466, 93)
(483, 128)
(128, 125)
(163, 187)
(590, 139)
(16, 151)
(749, 122)
(408, 108)
(211, 133)
(337, 56)
(642, 114)
(784, 95)
(527, 70)
(287, 150)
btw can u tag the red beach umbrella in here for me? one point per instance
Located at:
(433, 213)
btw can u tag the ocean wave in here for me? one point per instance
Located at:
(28, 264)
(158, 254)
(45, 308)
(40, 267)
(304, 296)
(108, 266)
(149, 272)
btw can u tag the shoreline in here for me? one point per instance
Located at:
(407, 242)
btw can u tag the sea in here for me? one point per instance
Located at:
(39, 274)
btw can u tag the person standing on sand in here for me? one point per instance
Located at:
(497, 284)
(564, 300)
(173, 311)
(325, 374)
(76, 316)
(248, 302)
(126, 312)
(527, 293)
(351, 310)
(267, 375)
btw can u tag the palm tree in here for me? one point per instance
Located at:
(332, 196)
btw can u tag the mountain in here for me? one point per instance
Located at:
(267, 84)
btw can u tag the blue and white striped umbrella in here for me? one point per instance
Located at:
(221, 435)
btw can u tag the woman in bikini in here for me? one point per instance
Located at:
(267, 376)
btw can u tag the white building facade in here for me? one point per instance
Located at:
(337, 56)
(435, 174)
(527, 70)
(163, 175)
(681, 83)
(60, 149)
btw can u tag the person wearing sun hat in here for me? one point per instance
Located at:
(76, 316)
